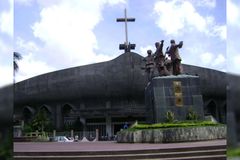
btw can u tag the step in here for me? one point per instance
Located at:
(212, 157)
(184, 149)
(139, 155)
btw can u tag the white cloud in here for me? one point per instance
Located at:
(6, 27)
(6, 20)
(6, 73)
(233, 13)
(206, 58)
(66, 30)
(26, 46)
(29, 67)
(219, 60)
(176, 17)
(233, 61)
(4, 48)
(233, 16)
(211, 60)
(221, 31)
(236, 66)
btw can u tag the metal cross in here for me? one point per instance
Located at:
(127, 46)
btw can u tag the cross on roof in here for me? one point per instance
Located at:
(126, 46)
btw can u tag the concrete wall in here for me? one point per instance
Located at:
(172, 135)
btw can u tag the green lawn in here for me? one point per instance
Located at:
(174, 125)
(233, 152)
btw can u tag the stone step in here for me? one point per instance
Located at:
(209, 157)
(218, 157)
(183, 149)
(174, 155)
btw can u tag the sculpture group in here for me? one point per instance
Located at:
(166, 64)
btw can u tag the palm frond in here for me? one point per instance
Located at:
(17, 56)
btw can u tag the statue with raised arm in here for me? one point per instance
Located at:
(159, 58)
(175, 57)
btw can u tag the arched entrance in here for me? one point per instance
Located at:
(78, 125)
(67, 109)
(28, 114)
(45, 114)
(47, 110)
(211, 109)
(68, 120)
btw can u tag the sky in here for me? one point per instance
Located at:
(59, 34)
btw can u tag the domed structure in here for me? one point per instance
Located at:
(106, 95)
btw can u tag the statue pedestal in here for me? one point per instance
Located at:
(178, 94)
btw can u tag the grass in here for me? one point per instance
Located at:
(177, 124)
(233, 152)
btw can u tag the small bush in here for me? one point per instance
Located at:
(170, 116)
(191, 115)
(233, 152)
(27, 128)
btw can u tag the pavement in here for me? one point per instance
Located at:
(104, 146)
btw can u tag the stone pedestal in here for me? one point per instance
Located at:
(178, 94)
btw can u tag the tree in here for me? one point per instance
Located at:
(16, 57)
(40, 121)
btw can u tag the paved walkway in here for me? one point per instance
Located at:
(103, 146)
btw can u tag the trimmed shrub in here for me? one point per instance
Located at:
(170, 116)
(191, 115)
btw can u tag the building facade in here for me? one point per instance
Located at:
(106, 95)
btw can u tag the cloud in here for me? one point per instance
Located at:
(236, 62)
(6, 20)
(211, 60)
(4, 48)
(6, 28)
(7, 73)
(220, 31)
(233, 16)
(233, 13)
(219, 60)
(206, 58)
(29, 67)
(26, 46)
(177, 17)
(66, 30)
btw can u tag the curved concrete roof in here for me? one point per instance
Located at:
(120, 77)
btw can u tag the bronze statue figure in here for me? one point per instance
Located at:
(175, 57)
(163, 64)
(160, 59)
(149, 64)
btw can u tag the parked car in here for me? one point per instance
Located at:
(63, 139)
